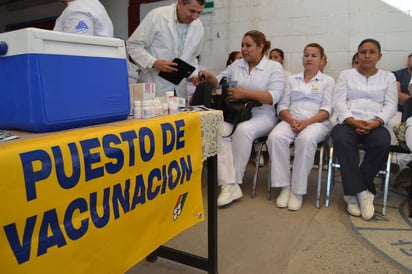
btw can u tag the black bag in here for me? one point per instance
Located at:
(202, 95)
(238, 111)
(234, 112)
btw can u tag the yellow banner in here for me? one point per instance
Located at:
(98, 199)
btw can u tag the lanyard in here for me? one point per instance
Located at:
(181, 32)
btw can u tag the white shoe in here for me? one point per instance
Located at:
(353, 205)
(283, 198)
(228, 194)
(295, 201)
(365, 199)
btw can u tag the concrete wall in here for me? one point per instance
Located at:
(338, 25)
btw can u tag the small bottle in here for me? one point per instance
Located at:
(158, 106)
(148, 109)
(137, 109)
(165, 108)
(159, 111)
(169, 96)
(173, 109)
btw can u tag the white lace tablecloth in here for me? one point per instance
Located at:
(212, 128)
(211, 125)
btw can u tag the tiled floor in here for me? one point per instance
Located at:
(256, 237)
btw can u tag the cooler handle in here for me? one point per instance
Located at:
(3, 48)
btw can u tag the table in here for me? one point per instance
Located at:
(128, 187)
(212, 128)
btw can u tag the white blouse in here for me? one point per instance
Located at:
(266, 76)
(365, 98)
(304, 100)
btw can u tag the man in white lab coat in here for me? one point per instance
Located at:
(85, 17)
(165, 33)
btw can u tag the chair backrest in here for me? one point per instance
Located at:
(407, 109)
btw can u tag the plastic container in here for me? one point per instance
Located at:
(173, 108)
(165, 108)
(137, 109)
(52, 80)
(148, 109)
(170, 95)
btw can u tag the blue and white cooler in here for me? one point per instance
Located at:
(52, 80)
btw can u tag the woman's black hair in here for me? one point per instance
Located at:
(370, 40)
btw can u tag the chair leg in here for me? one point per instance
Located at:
(410, 199)
(256, 170)
(269, 190)
(320, 169)
(329, 178)
(386, 187)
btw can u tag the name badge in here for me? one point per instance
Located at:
(315, 88)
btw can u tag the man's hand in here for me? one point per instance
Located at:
(165, 66)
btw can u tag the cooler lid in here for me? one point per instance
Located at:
(40, 41)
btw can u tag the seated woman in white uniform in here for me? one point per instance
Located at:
(258, 79)
(304, 110)
(364, 99)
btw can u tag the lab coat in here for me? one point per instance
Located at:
(85, 17)
(157, 38)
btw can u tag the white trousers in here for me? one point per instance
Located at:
(305, 144)
(236, 149)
